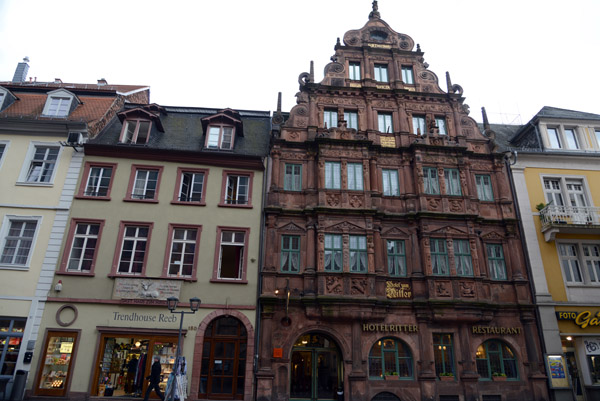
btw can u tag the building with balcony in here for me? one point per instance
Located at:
(393, 265)
(167, 204)
(556, 171)
(42, 128)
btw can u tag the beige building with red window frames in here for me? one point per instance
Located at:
(168, 204)
(42, 128)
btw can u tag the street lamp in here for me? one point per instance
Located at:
(172, 305)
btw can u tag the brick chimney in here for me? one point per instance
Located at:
(21, 71)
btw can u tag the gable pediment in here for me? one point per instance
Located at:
(344, 227)
(449, 230)
(395, 232)
(291, 227)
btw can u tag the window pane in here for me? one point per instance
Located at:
(385, 122)
(553, 138)
(143, 132)
(439, 257)
(396, 258)
(419, 125)
(440, 122)
(452, 181)
(17, 244)
(430, 177)
(355, 177)
(213, 137)
(354, 71)
(380, 73)
(351, 118)
(407, 75)
(332, 175)
(484, 187)
(571, 139)
(330, 119)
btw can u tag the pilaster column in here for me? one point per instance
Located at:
(276, 169)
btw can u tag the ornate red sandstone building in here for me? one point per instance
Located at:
(393, 264)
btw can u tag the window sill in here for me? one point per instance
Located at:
(14, 267)
(35, 184)
(140, 200)
(68, 273)
(102, 198)
(235, 206)
(126, 275)
(177, 202)
(228, 281)
(179, 278)
(583, 285)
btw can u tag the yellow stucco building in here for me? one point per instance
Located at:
(42, 126)
(556, 171)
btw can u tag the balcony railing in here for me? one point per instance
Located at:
(568, 219)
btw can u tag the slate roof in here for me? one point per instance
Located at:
(554, 112)
(504, 133)
(183, 132)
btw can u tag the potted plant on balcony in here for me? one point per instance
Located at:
(498, 377)
(540, 206)
(392, 376)
(447, 376)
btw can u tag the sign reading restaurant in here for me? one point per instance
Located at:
(582, 319)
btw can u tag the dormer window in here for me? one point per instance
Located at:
(136, 132)
(2, 96)
(221, 129)
(220, 137)
(60, 103)
(59, 106)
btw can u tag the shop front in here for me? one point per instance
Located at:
(79, 358)
(580, 337)
(124, 360)
(106, 350)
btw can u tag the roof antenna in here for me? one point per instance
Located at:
(375, 12)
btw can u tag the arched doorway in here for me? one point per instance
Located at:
(223, 369)
(316, 368)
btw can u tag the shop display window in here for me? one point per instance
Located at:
(56, 363)
(11, 335)
(125, 362)
(594, 365)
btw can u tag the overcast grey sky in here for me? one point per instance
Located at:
(511, 56)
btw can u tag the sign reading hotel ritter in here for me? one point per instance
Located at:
(406, 328)
(396, 290)
(582, 319)
(145, 291)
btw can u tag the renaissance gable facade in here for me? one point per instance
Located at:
(393, 262)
